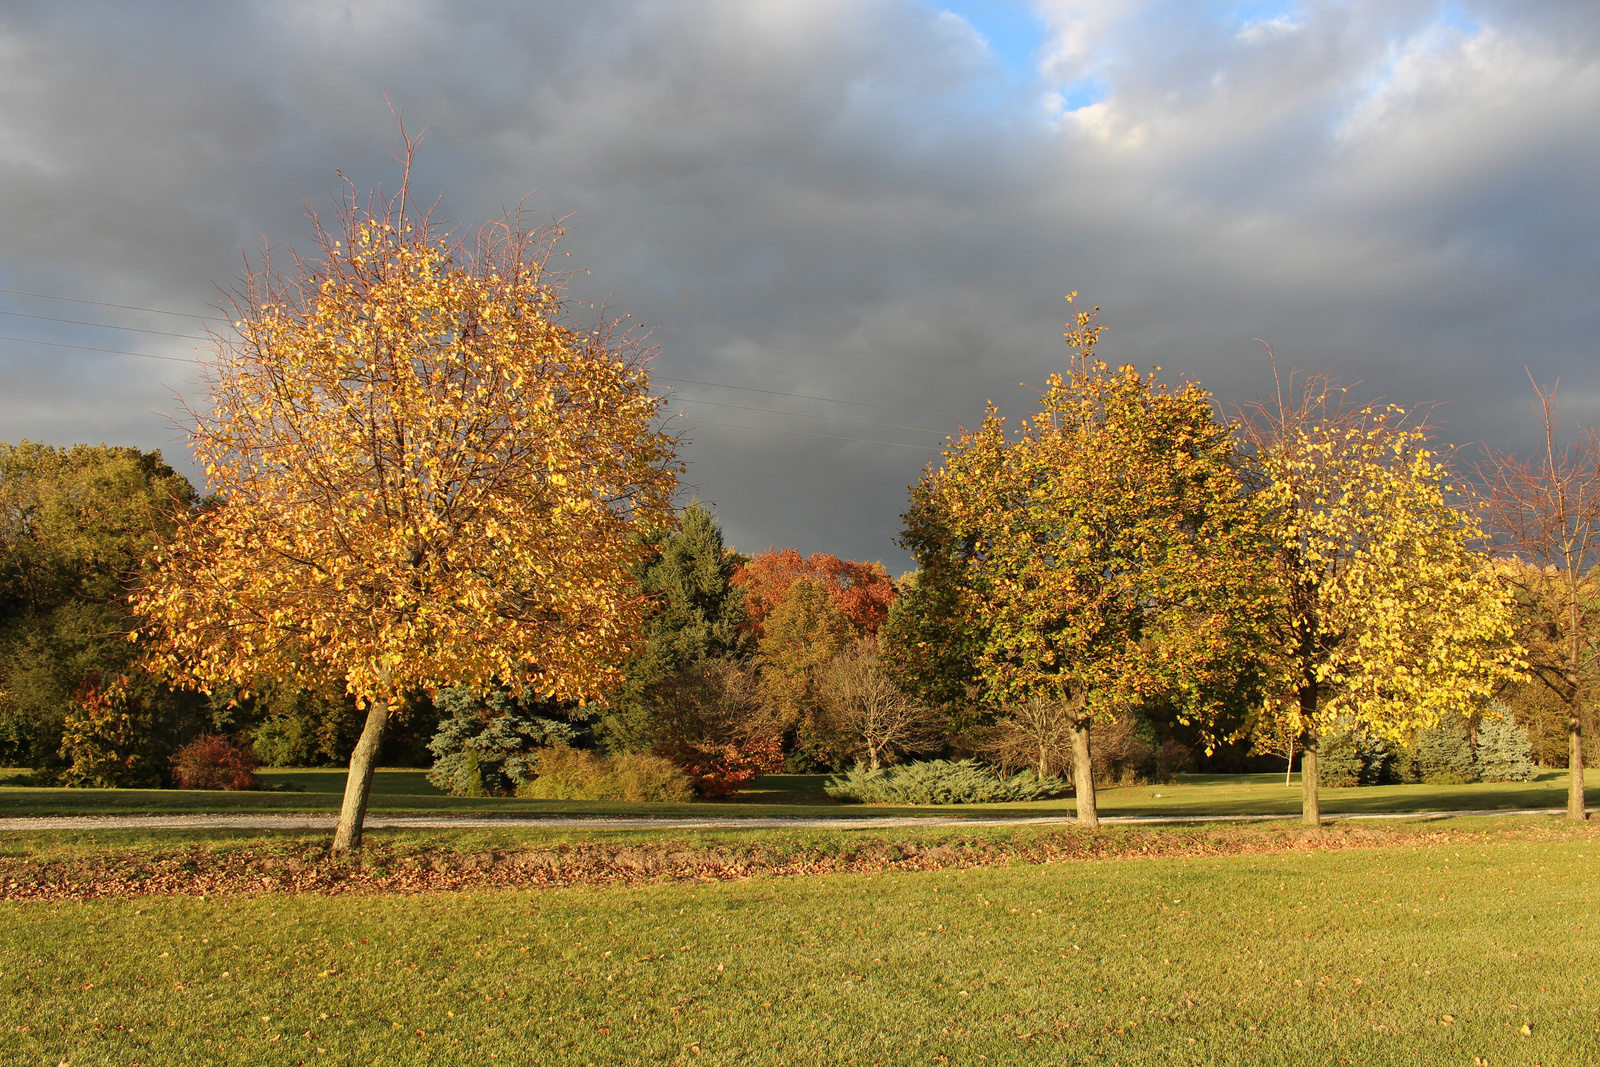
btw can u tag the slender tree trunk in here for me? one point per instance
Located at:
(1577, 808)
(358, 783)
(1083, 774)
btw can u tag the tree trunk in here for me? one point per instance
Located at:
(1310, 799)
(1577, 808)
(358, 783)
(1083, 774)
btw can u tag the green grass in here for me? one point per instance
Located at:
(407, 792)
(1421, 953)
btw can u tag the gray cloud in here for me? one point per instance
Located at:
(852, 200)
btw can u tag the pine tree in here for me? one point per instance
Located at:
(1444, 754)
(486, 746)
(1504, 752)
(696, 615)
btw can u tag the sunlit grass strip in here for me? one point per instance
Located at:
(1403, 955)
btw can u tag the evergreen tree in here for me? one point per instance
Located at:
(486, 746)
(696, 615)
(1341, 760)
(1444, 754)
(1504, 752)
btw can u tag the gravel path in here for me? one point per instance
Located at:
(574, 822)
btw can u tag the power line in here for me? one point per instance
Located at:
(801, 433)
(806, 396)
(86, 348)
(664, 378)
(803, 415)
(105, 325)
(103, 304)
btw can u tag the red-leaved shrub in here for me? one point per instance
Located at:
(214, 762)
(722, 770)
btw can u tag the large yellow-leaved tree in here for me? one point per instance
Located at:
(1097, 555)
(1383, 619)
(427, 476)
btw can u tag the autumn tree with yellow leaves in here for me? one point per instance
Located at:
(1381, 619)
(428, 477)
(1096, 553)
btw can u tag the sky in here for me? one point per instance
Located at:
(849, 224)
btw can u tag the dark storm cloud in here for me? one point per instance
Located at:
(856, 200)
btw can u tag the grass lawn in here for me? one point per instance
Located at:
(405, 791)
(1432, 951)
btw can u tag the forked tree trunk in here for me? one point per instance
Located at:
(1083, 774)
(1310, 798)
(358, 783)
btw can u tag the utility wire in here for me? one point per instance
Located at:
(105, 325)
(801, 433)
(86, 348)
(683, 381)
(806, 396)
(103, 304)
(804, 415)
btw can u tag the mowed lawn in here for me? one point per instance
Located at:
(407, 792)
(1429, 952)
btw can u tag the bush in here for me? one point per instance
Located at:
(1172, 759)
(214, 762)
(487, 746)
(721, 771)
(1443, 754)
(562, 773)
(940, 782)
(1339, 762)
(1505, 753)
(1354, 758)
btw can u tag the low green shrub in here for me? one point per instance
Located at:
(561, 773)
(940, 782)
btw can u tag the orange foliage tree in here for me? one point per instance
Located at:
(429, 478)
(863, 591)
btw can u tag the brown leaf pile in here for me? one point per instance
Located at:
(307, 867)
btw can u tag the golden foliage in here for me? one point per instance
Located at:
(427, 476)
(1385, 618)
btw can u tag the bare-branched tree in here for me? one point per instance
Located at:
(1542, 516)
(865, 709)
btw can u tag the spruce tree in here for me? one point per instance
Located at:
(1504, 752)
(1444, 754)
(696, 615)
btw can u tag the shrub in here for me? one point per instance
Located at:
(1505, 753)
(561, 773)
(1443, 754)
(1172, 759)
(940, 782)
(1354, 758)
(214, 762)
(721, 771)
(1339, 763)
(486, 746)
(108, 740)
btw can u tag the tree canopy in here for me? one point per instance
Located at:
(1383, 620)
(430, 477)
(1095, 548)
